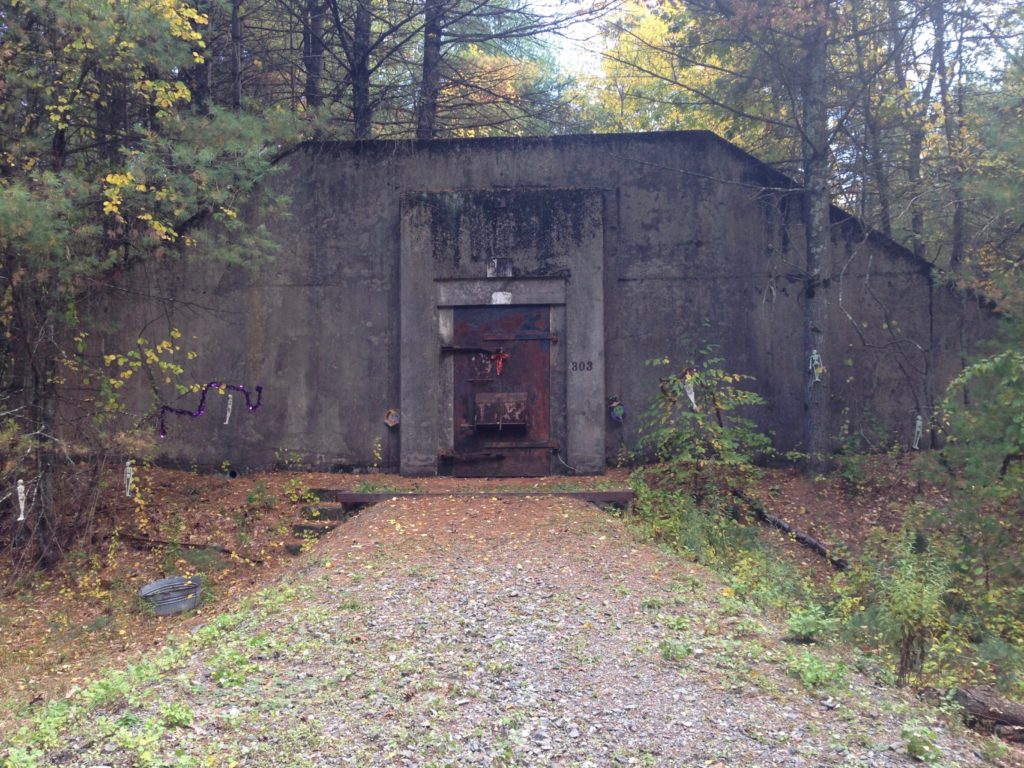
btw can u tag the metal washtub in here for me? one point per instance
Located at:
(173, 595)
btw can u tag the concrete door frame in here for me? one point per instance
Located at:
(427, 296)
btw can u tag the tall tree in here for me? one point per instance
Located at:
(787, 49)
(102, 165)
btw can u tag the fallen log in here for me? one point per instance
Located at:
(985, 707)
(153, 543)
(766, 517)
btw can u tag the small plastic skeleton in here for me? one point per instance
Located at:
(21, 501)
(816, 367)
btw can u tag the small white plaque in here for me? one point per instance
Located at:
(501, 297)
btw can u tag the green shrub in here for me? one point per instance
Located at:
(107, 690)
(177, 714)
(691, 497)
(906, 582)
(674, 650)
(18, 757)
(920, 743)
(703, 446)
(808, 624)
(940, 600)
(815, 672)
(230, 667)
(259, 498)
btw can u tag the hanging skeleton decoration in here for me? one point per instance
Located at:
(691, 393)
(816, 367)
(670, 388)
(918, 431)
(129, 478)
(22, 494)
(227, 416)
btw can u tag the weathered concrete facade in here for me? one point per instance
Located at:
(632, 247)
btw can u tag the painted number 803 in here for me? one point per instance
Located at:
(581, 365)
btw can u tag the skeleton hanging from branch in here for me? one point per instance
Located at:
(22, 495)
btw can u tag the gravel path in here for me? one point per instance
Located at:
(491, 632)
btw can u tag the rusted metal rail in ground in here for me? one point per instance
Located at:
(619, 497)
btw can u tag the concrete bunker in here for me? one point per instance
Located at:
(468, 306)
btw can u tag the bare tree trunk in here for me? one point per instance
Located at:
(917, 243)
(362, 110)
(197, 78)
(873, 151)
(45, 408)
(357, 46)
(951, 129)
(430, 83)
(917, 114)
(877, 162)
(236, 54)
(35, 345)
(814, 148)
(313, 52)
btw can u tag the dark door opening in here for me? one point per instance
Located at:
(501, 408)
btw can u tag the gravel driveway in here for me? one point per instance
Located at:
(500, 632)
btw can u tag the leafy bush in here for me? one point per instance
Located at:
(260, 499)
(177, 714)
(297, 492)
(674, 650)
(911, 608)
(695, 430)
(985, 447)
(705, 452)
(807, 624)
(230, 667)
(921, 601)
(920, 742)
(940, 601)
(816, 673)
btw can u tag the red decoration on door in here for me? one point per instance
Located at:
(499, 358)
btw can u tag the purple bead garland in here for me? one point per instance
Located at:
(165, 409)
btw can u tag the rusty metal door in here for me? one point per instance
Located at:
(502, 369)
